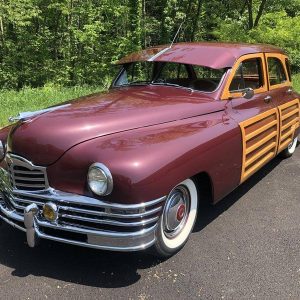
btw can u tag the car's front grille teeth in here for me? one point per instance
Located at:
(27, 177)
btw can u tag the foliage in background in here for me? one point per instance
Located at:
(31, 99)
(278, 25)
(75, 42)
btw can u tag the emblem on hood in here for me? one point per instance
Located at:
(30, 114)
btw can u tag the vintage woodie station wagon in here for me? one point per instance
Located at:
(127, 169)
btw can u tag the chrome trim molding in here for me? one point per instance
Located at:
(113, 241)
(82, 221)
(159, 53)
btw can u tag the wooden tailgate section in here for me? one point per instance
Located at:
(290, 120)
(260, 139)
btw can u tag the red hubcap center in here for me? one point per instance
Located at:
(180, 212)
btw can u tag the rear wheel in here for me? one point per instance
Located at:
(290, 150)
(177, 220)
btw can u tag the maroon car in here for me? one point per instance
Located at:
(127, 169)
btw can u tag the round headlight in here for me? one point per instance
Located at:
(2, 150)
(100, 179)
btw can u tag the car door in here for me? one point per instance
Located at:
(257, 117)
(280, 86)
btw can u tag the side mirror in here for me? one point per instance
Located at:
(248, 93)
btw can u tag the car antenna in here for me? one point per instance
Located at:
(177, 33)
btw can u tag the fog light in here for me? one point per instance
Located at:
(50, 212)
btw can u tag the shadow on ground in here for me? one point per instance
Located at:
(95, 268)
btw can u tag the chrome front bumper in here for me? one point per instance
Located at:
(82, 221)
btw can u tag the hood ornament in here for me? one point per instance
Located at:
(30, 114)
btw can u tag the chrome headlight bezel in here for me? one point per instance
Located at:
(103, 172)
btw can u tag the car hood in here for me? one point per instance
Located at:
(43, 139)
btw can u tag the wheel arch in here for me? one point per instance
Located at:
(205, 188)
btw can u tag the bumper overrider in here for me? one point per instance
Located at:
(81, 220)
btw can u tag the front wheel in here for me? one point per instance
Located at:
(177, 220)
(290, 150)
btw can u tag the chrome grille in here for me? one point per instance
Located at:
(96, 215)
(30, 185)
(26, 176)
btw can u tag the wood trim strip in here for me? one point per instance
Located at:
(261, 142)
(289, 124)
(285, 139)
(286, 135)
(293, 112)
(265, 154)
(261, 153)
(254, 169)
(226, 95)
(261, 130)
(284, 145)
(282, 58)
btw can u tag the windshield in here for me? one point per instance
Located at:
(170, 74)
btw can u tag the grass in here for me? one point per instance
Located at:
(28, 99)
(296, 82)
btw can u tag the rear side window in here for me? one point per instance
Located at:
(288, 67)
(276, 71)
(248, 75)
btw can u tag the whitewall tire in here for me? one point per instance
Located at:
(290, 150)
(177, 220)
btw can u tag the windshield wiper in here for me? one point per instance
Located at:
(171, 84)
(138, 82)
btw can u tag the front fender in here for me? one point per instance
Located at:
(4, 135)
(147, 163)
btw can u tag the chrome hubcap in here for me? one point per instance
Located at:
(176, 211)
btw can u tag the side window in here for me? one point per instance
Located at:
(248, 75)
(288, 67)
(276, 71)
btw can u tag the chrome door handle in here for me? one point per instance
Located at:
(268, 99)
(290, 91)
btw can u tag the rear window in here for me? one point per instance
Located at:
(288, 67)
(276, 71)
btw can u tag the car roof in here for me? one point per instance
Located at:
(208, 54)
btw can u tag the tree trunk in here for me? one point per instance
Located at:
(2, 30)
(196, 20)
(260, 12)
(144, 22)
(250, 14)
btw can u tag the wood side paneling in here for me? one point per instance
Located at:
(260, 140)
(289, 121)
